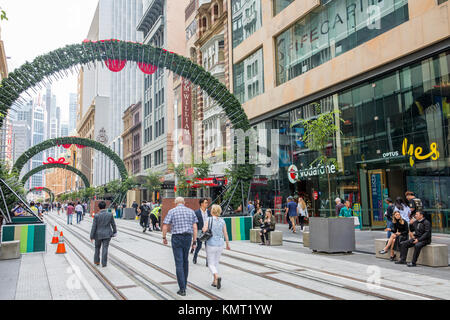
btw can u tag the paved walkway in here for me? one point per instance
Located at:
(248, 271)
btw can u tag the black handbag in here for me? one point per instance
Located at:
(205, 236)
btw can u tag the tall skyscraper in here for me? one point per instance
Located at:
(21, 138)
(37, 136)
(72, 111)
(114, 92)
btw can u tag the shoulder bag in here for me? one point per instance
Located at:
(205, 236)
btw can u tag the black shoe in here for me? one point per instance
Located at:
(104, 266)
(400, 262)
(411, 264)
(182, 293)
(206, 263)
(194, 261)
(213, 285)
(145, 229)
(158, 229)
(219, 284)
(393, 258)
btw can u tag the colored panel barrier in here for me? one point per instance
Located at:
(30, 243)
(238, 228)
(32, 237)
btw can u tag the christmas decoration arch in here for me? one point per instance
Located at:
(56, 165)
(47, 190)
(115, 55)
(67, 142)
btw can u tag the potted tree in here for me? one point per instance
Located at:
(327, 234)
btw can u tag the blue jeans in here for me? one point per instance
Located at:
(79, 216)
(69, 218)
(181, 243)
(389, 225)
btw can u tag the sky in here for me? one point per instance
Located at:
(36, 27)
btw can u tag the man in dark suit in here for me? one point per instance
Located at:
(202, 214)
(422, 236)
(103, 229)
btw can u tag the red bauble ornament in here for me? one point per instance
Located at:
(115, 65)
(147, 68)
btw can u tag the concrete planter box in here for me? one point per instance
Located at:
(332, 235)
(129, 214)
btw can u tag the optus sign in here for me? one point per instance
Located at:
(416, 153)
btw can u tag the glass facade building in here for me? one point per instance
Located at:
(248, 77)
(246, 19)
(394, 137)
(332, 29)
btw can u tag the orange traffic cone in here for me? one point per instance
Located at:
(61, 247)
(55, 236)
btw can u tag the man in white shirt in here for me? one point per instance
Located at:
(79, 211)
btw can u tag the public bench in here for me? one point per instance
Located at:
(432, 255)
(275, 237)
(10, 250)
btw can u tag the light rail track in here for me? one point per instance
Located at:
(133, 273)
(315, 270)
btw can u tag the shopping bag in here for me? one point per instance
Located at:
(356, 221)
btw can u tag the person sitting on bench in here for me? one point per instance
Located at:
(421, 237)
(266, 227)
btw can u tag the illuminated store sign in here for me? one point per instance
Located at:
(416, 153)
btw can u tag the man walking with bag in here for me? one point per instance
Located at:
(202, 215)
(144, 212)
(103, 229)
(184, 229)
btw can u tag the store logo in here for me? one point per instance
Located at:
(416, 153)
(292, 174)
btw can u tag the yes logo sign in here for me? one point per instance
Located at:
(417, 152)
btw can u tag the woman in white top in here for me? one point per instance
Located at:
(302, 211)
(214, 246)
(400, 206)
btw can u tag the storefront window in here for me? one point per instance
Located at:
(333, 29)
(394, 137)
(279, 5)
(249, 77)
(246, 19)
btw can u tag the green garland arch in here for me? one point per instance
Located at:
(56, 165)
(30, 153)
(58, 61)
(49, 192)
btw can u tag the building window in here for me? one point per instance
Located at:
(280, 5)
(147, 162)
(158, 157)
(330, 30)
(249, 77)
(246, 19)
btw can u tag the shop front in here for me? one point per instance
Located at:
(394, 137)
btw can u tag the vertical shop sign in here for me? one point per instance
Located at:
(186, 111)
(376, 196)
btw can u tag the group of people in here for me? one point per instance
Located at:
(78, 209)
(407, 226)
(37, 208)
(146, 211)
(185, 223)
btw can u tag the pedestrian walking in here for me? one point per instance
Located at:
(155, 217)
(135, 206)
(144, 212)
(79, 211)
(389, 215)
(58, 206)
(302, 212)
(214, 245)
(85, 210)
(103, 229)
(70, 210)
(184, 229)
(291, 212)
(202, 215)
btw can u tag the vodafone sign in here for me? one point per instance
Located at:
(293, 174)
